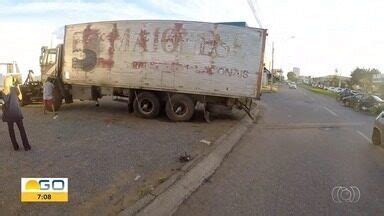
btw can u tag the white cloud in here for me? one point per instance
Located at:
(207, 11)
(22, 42)
(26, 27)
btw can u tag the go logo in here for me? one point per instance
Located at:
(44, 189)
(341, 194)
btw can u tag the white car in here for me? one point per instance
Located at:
(338, 90)
(292, 85)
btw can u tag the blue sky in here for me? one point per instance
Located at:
(328, 34)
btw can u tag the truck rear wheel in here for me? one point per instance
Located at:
(146, 105)
(25, 101)
(180, 108)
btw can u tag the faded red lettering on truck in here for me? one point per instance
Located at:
(112, 37)
(142, 40)
(91, 45)
(175, 67)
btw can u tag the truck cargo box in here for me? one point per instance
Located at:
(177, 56)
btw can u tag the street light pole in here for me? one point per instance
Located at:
(338, 76)
(273, 54)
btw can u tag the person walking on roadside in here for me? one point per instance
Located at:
(12, 113)
(48, 96)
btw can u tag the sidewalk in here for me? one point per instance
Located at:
(268, 89)
(173, 192)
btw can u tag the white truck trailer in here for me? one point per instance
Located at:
(179, 66)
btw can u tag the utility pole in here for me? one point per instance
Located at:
(273, 54)
(338, 76)
(252, 6)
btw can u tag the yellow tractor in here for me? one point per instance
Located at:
(9, 70)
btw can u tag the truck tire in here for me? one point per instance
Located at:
(146, 105)
(57, 100)
(376, 138)
(25, 101)
(180, 108)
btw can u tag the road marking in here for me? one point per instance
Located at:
(330, 111)
(309, 125)
(363, 135)
(309, 96)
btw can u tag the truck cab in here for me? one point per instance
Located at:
(50, 66)
(50, 62)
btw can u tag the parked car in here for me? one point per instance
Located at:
(335, 89)
(370, 103)
(378, 108)
(378, 130)
(344, 93)
(350, 101)
(292, 85)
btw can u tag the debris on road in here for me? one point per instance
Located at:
(205, 142)
(162, 179)
(145, 189)
(185, 158)
(137, 177)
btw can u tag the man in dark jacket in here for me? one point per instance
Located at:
(12, 113)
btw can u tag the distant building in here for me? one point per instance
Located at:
(278, 74)
(266, 77)
(305, 79)
(378, 79)
(296, 71)
(378, 84)
(331, 80)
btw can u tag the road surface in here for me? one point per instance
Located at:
(304, 147)
(111, 157)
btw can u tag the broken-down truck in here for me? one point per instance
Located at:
(178, 66)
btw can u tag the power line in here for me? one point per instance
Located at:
(253, 9)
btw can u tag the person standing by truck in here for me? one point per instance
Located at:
(48, 96)
(12, 113)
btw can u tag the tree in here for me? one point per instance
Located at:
(363, 77)
(381, 90)
(334, 81)
(291, 76)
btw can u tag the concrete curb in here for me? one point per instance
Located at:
(168, 196)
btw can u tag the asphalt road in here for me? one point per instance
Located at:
(290, 162)
(110, 156)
